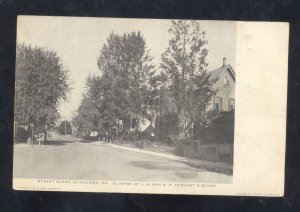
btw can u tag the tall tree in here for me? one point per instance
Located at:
(126, 63)
(162, 108)
(184, 63)
(41, 84)
(89, 116)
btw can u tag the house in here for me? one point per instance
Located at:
(135, 123)
(224, 100)
(224, 84)
(138, 122)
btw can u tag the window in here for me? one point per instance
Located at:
(226, 81)
(134, 122)
(231, 104)
(218, 103)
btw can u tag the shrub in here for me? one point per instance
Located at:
(221, 130)
(133, 135)
(166, 126)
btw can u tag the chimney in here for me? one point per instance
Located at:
(224, 61)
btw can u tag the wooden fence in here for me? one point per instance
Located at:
(210, 152)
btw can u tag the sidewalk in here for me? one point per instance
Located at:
(220, 167)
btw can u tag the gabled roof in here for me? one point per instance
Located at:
(215, 74)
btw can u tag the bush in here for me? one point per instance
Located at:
(133, 136)
(166, 126)
(221, 130)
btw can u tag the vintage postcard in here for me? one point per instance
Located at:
(150, 106)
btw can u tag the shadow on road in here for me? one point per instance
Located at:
(227, 171)
(87, 141)
(183, 173)
(186, 175)
(150, 165)
(56, 142)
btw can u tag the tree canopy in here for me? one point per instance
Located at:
(127, 64)
(123, 87)
(41, 84)
(184, 63)
(174, 97)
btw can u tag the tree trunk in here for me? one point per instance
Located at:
(181, 125)
(45, 135)
(29, 133)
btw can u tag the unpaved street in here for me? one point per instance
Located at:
(66, 158)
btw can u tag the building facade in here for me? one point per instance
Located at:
(224, 84)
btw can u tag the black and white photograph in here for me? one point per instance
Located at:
(149, 105)
(146, 101)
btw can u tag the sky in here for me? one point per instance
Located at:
(78, 42)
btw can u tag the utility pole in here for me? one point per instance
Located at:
(65, 127)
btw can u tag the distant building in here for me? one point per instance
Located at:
(136, 122)
(224, 84)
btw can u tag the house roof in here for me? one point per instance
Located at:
(215, 74)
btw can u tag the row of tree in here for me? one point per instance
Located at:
(173, 95)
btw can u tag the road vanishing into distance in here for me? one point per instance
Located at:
(64, 157)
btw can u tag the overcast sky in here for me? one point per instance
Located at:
(78, 42)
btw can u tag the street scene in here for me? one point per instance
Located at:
(68, 158)
(132, 100)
